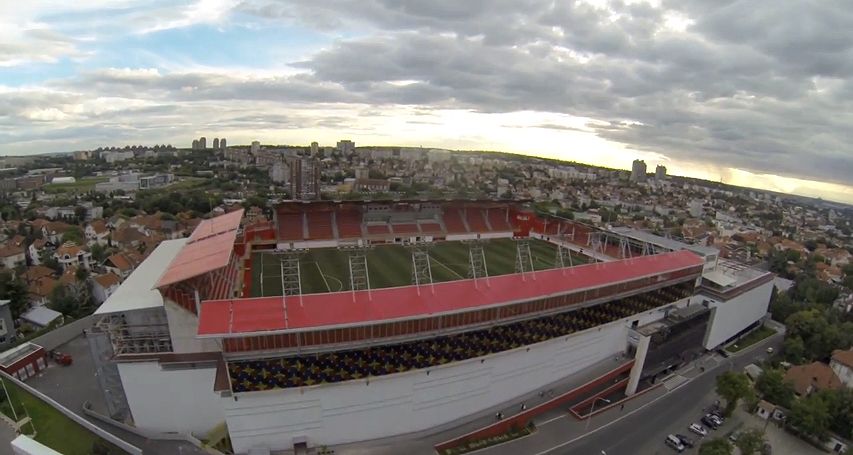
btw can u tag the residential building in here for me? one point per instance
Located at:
(202, 143)
(103, 286)
(256, 147)
(222, 144)
(216, 143)
(315, 149)
(35, 249)
(72, 255)
(660, 172)
(97, 232)
(12, 256)
(638, 171)
(810, 378)
(42, 316)
(842, 365)
(304, 179)
(346, 146)
(53, 231)
(279, 172)
(123, 264)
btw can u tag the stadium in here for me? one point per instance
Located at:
(342, 322)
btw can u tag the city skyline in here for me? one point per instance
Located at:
(690, 87)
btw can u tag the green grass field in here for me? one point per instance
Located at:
(327, 269)
(53, 429)
(81, 186)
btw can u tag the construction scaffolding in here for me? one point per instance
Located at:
(523, 257)
(291, 273)
(562, 257)
(421, 269)
(358, 272)
(477, 260)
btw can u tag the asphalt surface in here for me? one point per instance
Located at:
(644, 431)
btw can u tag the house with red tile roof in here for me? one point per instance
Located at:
(12, 255)
(810, 378)
(97, 232)
(35, 249)
(71, 255)
(103, 286)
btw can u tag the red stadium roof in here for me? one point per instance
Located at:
(208, 248)
(312, 311)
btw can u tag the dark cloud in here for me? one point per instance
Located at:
(741, 85)
(761, 85)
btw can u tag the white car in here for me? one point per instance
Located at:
(698, 429)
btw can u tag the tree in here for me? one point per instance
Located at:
(75, 234)
(750, 441)
(732, 387)
(99, 253)
(840, 411)
(773, 388)
(811, 416)
(14, 290)
(717, 446)
(62, 301)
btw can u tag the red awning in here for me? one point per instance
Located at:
(267, 314)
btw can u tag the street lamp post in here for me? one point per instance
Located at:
(591, 410)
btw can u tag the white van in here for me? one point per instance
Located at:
(674, 442)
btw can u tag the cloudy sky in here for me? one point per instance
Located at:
(756, 93)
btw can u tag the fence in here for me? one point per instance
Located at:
(100, 432)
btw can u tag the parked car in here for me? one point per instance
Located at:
(687, 442)
(716, 417)
(674, 442)
(734, 435)
(709, 422)
(770, 350)
(698, 429)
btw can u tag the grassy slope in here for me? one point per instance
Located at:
(53, 428)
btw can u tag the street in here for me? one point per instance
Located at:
(643, 432)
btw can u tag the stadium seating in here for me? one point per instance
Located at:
(453, 222)
(349, 224)
(430, 228)
(378, 229)
(407, 228)
(497, 220)
(320, 225)
(475, 219)
(330, 367)
(290, 226)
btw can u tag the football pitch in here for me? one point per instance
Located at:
(327, 269)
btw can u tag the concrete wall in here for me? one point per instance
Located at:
(61, 335)
(183, 327)
(412, 401)
(171, 401)
(730, 317)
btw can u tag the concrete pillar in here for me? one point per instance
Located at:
(637, 369)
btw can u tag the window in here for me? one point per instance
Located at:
(40, 363)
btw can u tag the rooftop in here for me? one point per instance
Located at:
(138, 291)
(41, 315)
(17, 353)
(341, 309)
(663, 242)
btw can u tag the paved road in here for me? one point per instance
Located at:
(644, 431)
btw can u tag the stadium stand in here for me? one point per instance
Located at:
(338, 366)
(497, 220)
(430, 227)
(349, 224)
(407, 228)
(453, 222)
(378, 229)
(320, 225)
(475, 219)
(290, 226)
